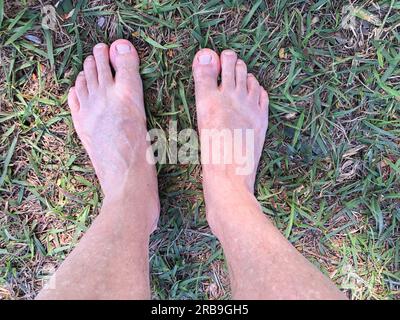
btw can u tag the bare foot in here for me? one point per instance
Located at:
(109, 117)
(262, 263)
(238, 103)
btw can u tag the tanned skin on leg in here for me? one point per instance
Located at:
(262, 263)
(111, 261)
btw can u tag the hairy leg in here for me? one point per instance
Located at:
(111, 260)
(262, 263)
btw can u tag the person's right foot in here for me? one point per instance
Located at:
(239, 102)
(109, 117)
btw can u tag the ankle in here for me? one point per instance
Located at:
(228, 220)
(223, 184)
(128, 181)
(127, 199)
(229, 201)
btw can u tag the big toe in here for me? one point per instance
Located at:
(125, 61)
(206, 68)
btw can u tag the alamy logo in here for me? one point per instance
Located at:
(219, 146)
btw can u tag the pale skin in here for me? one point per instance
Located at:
(111, 261)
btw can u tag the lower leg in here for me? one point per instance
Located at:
(111, 260)
(262, 263)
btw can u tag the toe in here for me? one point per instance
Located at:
(228, 65)
(101, 55)
(264, 100)
(206, 67)
(253, 88)
(241, 76)
(73, 101)
(89, 67)
(81, 87)
(125, 61)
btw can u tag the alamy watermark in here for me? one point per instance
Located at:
(218, 146)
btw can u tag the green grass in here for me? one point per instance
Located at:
(329, 175)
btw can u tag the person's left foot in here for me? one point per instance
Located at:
(109, 117)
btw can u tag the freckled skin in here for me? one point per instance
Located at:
(262, 263)
(111, 261)
(111, 123)
(241, 104)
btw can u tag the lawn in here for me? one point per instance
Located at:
(330, 171)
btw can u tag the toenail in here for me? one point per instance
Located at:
(99, 45)
(123, 48)
(205, 58)
(229, 52)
